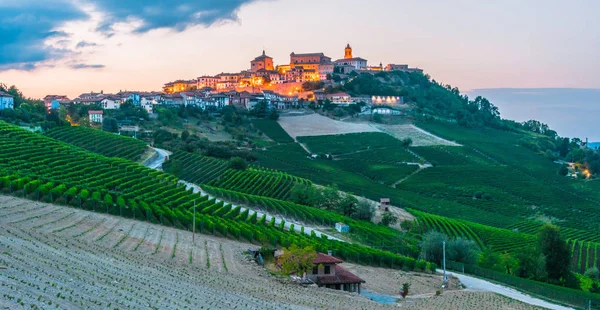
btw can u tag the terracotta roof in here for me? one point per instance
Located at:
(351, 59)
(341, 276)
(3, 94)
(308, 54)
(338, 95)
(326, 259)
(95, 112)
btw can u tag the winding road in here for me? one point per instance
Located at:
(477, 284)
(162, 155)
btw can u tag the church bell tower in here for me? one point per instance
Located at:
(348, 51)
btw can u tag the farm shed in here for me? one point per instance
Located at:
(384, 204)
(341, 227)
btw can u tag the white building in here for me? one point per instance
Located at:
(110, 103)
(6, 101)
(356, 63)
(95, 116)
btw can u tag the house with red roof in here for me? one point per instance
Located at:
(327, 272)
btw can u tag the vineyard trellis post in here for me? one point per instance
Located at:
(194, 225)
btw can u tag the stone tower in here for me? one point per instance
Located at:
(348, 51)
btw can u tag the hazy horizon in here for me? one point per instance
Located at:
(572, 112)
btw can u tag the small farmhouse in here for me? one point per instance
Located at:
(326, 272)
(6, 101)
(95, 116)
(384, 204)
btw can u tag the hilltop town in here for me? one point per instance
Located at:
(284, 86)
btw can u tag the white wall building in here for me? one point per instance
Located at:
(6, 101)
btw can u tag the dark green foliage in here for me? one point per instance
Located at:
(110, 124)
(388, 219)
(100, 142)
(554, 248)
(273, 130)
(238, 163)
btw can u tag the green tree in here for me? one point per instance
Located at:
(238, 163)
(404, 291)
(563, 170)
(532, 264)
(556, 251)
(110, 124)
(185, 135)
(377, 118)
(388, 219)
(274, 114)
(348, 205)
(297, 260)
(406, 142)
(364, 211)
(462, 250)
(431, 246)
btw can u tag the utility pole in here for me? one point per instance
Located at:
(444, 260)
(194, 225)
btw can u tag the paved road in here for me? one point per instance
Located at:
(157, 163)
(160, 159)
(287, 224)
(477, 284)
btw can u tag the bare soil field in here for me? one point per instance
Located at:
(467, 300)
(56, 257)
(419, 136)
(318, 125)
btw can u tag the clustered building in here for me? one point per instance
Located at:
(243, 89)
(301, 68)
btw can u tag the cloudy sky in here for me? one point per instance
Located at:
(74, 46)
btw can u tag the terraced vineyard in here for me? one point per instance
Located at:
(101, 142)
(273, 130)
(363, 231)
(451, 155)
(196, 168)
(259, 182)
(449, 227)
(41, 168)
(585, 255)
(349, 143)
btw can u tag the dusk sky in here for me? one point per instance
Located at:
(69, 47)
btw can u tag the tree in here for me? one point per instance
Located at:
(431, 246)
(238, 163)
(274, 115)
(364, 211)
(297, 260)
(260, 109)
(185, 135)
(556, 251)
(302, 194)
(404, 292)
(110, 124)
(563, 170)
(462, 250)
(388, 219)
(406, 142)
(532, 264)
(347, 205)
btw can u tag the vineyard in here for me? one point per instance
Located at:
(573, 201)
(196, 168)
(41, 168)
(259, 182)
(363, 231)
(273, 130)
(349, 143)
(499, 240)
(101, 142)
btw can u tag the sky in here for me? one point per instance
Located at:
(74, 46)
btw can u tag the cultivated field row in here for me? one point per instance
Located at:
(71, 259)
